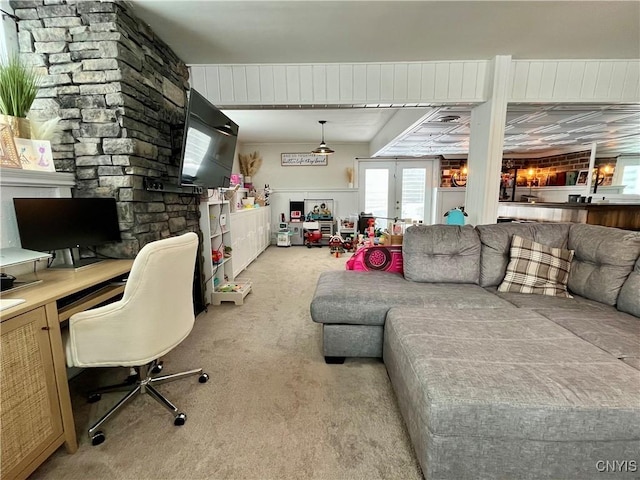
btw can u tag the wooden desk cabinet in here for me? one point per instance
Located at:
(35, 404)
(30, 411)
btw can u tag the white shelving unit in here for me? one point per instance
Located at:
(246, 231)
(214, 223)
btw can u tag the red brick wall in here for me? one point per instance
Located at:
(542, 167)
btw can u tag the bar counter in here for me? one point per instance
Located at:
(620, 215)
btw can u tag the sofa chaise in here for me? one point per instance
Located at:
(495, 384)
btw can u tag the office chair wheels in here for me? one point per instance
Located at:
(97, 438)
(157, 368)
(93, 398)
(180, 419)
(204, 378)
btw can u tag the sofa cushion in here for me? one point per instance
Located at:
(496, 242)
(536, 268)
(441, 253)
(538, 302)
(632, 362)
(629, 298)
(604, 258)
(364, 298)
(614, 332)
(481, 373)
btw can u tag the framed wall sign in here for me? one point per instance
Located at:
(302, 159)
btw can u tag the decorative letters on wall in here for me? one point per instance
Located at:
(302, 159)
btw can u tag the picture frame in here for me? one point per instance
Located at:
(303, 160)
(8, 152)
(583, 176)
(570, 178)
(35, 154)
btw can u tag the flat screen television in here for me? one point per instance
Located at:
(46, 224)
(208, 145)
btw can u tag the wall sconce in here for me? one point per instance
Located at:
(459, 178)
(601, 173)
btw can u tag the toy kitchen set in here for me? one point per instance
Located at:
(310, 223)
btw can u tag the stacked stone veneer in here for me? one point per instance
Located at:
(121, 94)
(543, 167)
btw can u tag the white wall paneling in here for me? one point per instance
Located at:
(344, 83)
(416, 82)
(575, 81)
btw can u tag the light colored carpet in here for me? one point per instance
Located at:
(272, 408)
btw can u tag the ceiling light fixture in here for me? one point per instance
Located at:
(323, 149)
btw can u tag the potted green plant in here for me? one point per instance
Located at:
(18, 89)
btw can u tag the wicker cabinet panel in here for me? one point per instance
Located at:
(29, 409)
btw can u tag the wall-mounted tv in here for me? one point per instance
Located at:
(208, 146)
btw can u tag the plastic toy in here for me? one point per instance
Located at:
(455, 216)
(319, 212)
(382, 258)
(336, 244)
(312, 237)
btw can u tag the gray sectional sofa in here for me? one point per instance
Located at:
(501, 385)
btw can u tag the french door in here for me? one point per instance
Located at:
(400, 189)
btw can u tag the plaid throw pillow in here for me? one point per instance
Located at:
(536, 268)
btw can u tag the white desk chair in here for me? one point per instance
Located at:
(154, 316)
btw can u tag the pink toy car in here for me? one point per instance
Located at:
(384, 258)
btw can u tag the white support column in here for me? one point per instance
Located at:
(486, 142)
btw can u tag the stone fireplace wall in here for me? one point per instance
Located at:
(121, 94)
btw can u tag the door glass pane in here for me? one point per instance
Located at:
(376, 198)
(414, 182)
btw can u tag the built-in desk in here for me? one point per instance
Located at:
(35, 405)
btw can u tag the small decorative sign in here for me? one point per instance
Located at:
(303, 159)
(35, 154)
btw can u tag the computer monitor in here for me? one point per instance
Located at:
(47, 224)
